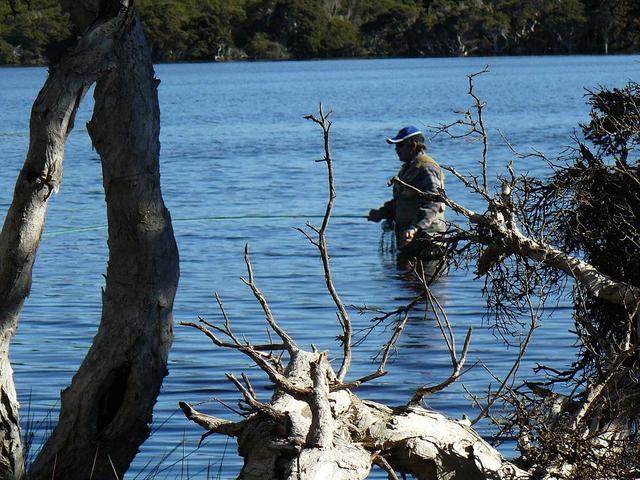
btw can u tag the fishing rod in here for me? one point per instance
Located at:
(65, 231)
(266, 217)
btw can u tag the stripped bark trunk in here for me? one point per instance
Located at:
(52, 118)
(106, 412)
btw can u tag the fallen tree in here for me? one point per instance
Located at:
(315, 426)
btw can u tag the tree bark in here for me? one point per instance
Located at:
(106, 412)
(52, 118)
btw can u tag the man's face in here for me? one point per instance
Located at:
(403, 149)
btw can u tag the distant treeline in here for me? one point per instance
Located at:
(38, 31)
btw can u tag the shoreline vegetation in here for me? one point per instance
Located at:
(39, 32)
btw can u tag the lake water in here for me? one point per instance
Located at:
(238, 167)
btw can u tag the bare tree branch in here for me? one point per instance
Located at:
(514, 367)
(456, 363)
(212, 424)
(386, 350)
(321, 430)
(255, 404)
(262, 360)
(382, 463)
(480, 128)
(288, 341)
(343, 316)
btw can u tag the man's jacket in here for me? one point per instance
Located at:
(411, 210)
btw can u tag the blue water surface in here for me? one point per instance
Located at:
(235, 145)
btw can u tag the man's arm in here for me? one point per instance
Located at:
(385, 212)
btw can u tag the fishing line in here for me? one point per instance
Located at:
(65, 231)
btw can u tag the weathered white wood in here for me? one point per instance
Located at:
(429, 445)
(342, 461)
(342, 443)
(11, 458)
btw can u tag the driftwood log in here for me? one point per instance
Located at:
(325, 434)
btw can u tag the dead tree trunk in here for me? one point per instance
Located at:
(106, 412)
(52, 119)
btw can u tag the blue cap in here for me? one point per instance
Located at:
(404, 133)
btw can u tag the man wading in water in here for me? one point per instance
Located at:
(415, 218)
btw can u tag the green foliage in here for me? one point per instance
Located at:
(303, 28)
(563, 21)
(386, 32)
(297, 24)
(260, 46)
(210, 28)
(450, 27)
(164, 25)
(339, 39)
(37, 32)
(184, 30)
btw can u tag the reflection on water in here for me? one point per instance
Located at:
(238, 166)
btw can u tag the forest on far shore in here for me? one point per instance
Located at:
(37, 32)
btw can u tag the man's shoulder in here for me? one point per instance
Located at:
(426, 162)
